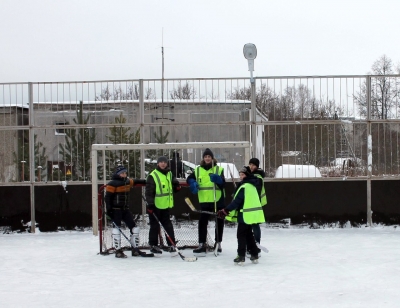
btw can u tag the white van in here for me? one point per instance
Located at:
(227, 166)
(297, 171)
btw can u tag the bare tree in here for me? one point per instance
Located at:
(186, 91)
(131, 93)
(384, 91)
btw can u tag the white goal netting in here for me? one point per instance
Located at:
(140, 159)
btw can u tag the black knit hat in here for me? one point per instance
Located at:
(120, 169)
(254, 161)
(207, 151)
(246, 170)
(162, 158)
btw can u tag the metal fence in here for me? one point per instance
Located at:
(335, 123)
(323, 128)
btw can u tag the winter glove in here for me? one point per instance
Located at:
(222, 213)
(150, 208)
(139, 182)
(194, 187)
(215, 178)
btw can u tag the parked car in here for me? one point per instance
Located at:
(297, 171)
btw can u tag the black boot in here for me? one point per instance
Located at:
(239, 260)
(120, 254)
(200, 251)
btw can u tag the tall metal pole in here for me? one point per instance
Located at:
(369, 151)
(253, 118)
(32, 157)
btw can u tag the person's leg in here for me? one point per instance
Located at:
(127, 217)
(116, 234)
(250, 241)
(257, 232)
(241, 238)
(154, 229)
(167, 224)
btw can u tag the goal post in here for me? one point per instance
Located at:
(96, 148)
(238, 151)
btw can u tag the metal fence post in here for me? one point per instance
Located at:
(253, 119)
(32, 156)
(369, 151)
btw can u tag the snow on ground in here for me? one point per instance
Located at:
(353, 267)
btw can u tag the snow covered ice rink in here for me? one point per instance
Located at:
(333, 267)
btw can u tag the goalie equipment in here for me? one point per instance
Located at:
(116, 235)
(135, 237)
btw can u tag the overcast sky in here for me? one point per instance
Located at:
(80, 40)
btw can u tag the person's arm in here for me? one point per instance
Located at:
(237, 202)
(175, 184)
(150, 190)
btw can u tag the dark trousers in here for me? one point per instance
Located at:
(125, 216)
(246, 240)
(203, 223)
(257, 232)
(163, 217)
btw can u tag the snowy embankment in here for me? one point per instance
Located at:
(352, 267)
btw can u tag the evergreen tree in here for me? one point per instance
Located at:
(22, 155)
(131, 159)
(159, 138)
(77, 148)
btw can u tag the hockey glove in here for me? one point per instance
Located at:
(215, 178)
(222, 213)
(194, 186)
(151, 208)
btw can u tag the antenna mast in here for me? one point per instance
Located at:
(162, 77)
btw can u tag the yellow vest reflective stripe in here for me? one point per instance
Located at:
(163, 197)
(252, 210)
(206, 187)
(263, 196)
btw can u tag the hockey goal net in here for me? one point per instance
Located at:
(107, 156)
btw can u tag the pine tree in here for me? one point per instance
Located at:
(131, 159)
(160, 138)
(22, 155)
(77, 148)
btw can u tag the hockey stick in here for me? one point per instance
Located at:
(191, 206)
(141, 253)
(216, 217)
(230, 172)
(188, 259)
(262, 248)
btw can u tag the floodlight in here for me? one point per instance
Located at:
(250, 51)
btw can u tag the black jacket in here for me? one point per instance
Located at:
(117, 191)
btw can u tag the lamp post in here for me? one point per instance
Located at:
(250, 53)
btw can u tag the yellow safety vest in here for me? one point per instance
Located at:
(163, 198)
(206, 187)
(263, 196)
(252, 210)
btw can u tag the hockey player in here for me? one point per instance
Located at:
(205, 178)
(159, 196)
(117, 204)
(254, 165)
(245, 209)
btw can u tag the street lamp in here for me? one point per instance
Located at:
(250, 53)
